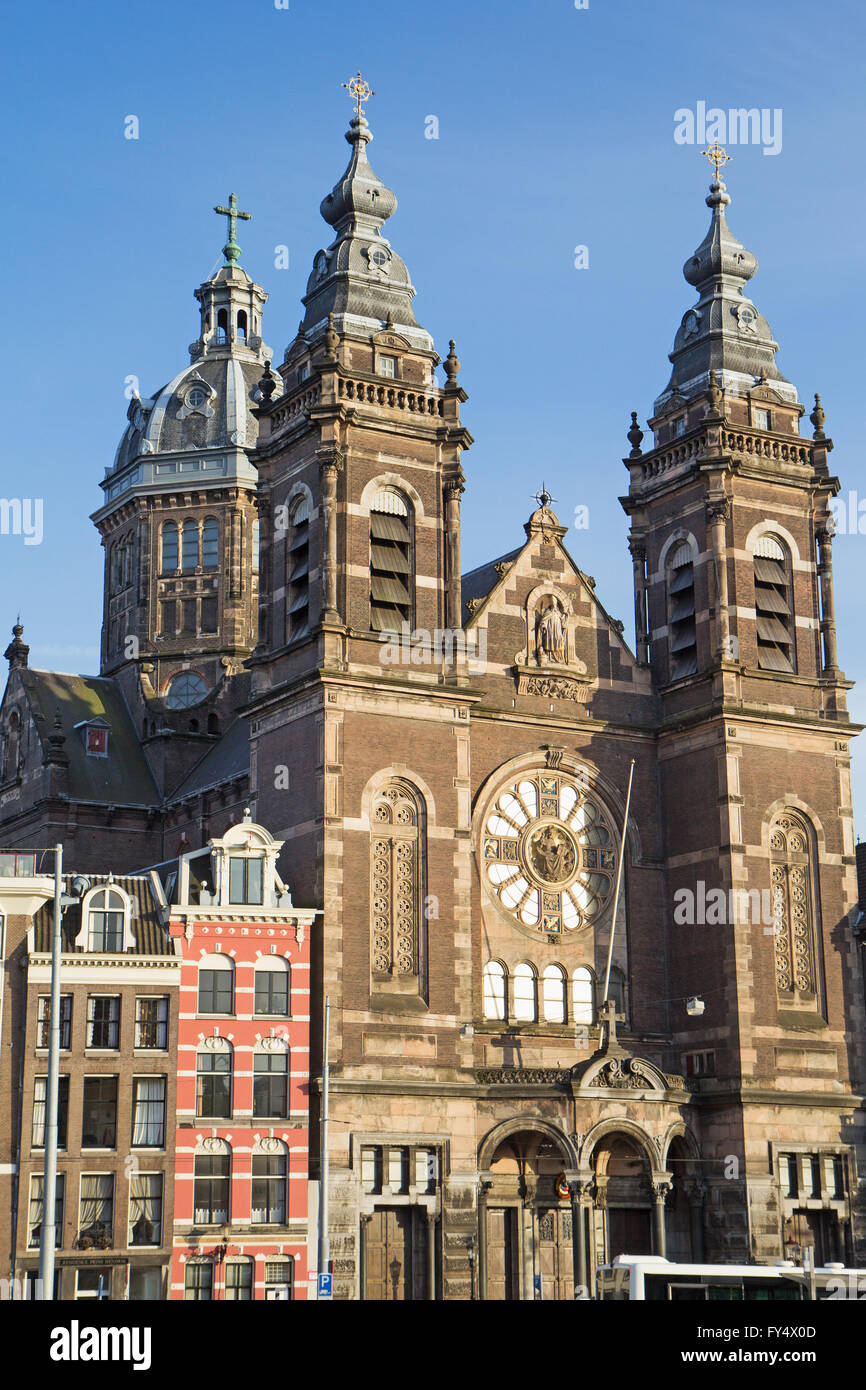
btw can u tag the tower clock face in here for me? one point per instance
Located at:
(549, 853)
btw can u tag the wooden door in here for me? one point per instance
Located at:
(394, 1260)
(554, 1256)
(502, 1254)
(629, 1232)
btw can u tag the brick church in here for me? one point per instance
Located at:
(446, 758)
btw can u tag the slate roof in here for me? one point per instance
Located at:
(151, 937)
(479, 582)
(124, 776)
(228, 759)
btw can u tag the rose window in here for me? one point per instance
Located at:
(549, 852)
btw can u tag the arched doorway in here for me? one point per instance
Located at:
(623, 1215)
(678, 1217)
(527, 1219)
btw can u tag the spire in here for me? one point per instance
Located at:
(359, 278)
(17, 652)
(724, 331)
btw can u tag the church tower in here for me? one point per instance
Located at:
(731, 547)
(180, 531)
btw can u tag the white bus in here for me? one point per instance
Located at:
(654, 1279)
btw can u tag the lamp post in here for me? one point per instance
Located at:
(48, 1234)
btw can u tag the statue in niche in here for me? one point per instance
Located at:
(551, 639)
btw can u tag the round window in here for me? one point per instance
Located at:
(184, 690)
(196, 397)
(549, 853)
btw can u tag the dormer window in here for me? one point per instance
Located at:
(760, 418)
(679, 426)
(105, 916)
(303, 371)
(246, 881)
(387, 366)
(94, 736)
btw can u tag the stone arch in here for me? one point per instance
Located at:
(790, 802)
(680, 1130)
(396, 772)
(770, 526)
(400, 484)
(627, 1129)
(529, 1124)
(676, 538)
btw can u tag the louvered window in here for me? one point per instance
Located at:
(390, 563)
(298, 572)
(681, 613)
(773, 608)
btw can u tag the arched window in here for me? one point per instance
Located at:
(114, 569)
(216, 985)
(271, 1080)
(106, 910)
(189, 548)
(242, 325)
(681, 612)
(583, 996)
(272, 986)
(270, 1180)
(495, 981)
(210, 544)
(793, 906)
(554, 993)
(616, 989)
(13, 747)
(222, 326)
(390, 562)
(256, 545)
(298, 570)
(774, 609)
(397, 865)
(168, 563)
(525, 993)
(213, 1080)
(211, 1183)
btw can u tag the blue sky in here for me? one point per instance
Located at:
(555, 130)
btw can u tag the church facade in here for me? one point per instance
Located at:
(518, 1091)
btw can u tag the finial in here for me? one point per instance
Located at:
(361, 91)
(231, 250)
(543, 498)
(56, 739)
(248, 815)
(332, 340)
(451, 365)
(717, 157)
(635, 437)
(818, 418)
(267, 382)
(17, 652)
(714, 396)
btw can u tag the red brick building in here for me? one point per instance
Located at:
(243, 1069)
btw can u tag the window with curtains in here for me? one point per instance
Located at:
(298, 570)
(103, 1021)
(793, 897)
(213, 1083)
(216, 980)
(272, 986)
(40, 1103)
(239, 1280)
(391, 585)
(145, 1209)
(211, 1188)
(271, 1084)
(554, 993)
(682, 636)
(774, 608)
(246, 879)
(525, 993)
(106, 914)
(210, 544)
(583, 995)
(270, 1175)
(37, 1210)
(169, 551)
(397, 867)
(148, 1112)
(495, 985)
(43, 1021)
(151, 1022)
(198, 1281)
(96, 1209)
(99, 1113)
(189, 546)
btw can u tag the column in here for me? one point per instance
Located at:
(718, 512)
(661, 1188)
(453, 490)
(483, 1194)
(362, 1255)
(638, 557)
(431, 1254)
(828, 616)
(263, 618)
(330, 464)
(578, 1192)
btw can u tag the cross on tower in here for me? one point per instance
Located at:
(361, 91)
(231, 250)
(717, 157)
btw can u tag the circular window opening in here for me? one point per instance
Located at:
(185, 690)
(196, 397)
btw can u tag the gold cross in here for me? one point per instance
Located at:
(361, 91)
(717, 157)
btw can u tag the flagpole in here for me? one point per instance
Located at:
(618, 883)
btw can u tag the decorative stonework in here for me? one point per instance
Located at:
(554, 688)
(395, 885)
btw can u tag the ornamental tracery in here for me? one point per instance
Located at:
(791, 887)
(549, 852)
(395, 888)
